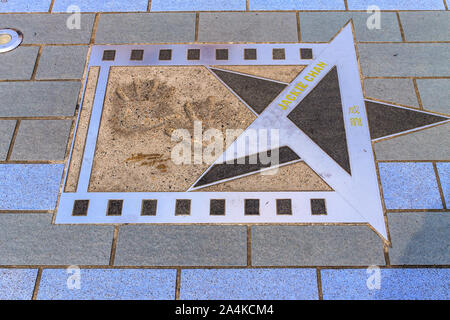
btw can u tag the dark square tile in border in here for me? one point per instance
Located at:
(109, 55)
(193, 54)
(306, 53)
(251, 207)
(80, 207)
(183, 207)
(284, 206)
(217, 207)
(165, 54)
(318, 206)
(114, 208)
(250, 54)
(221, 54)
(148, 208)
(137, 55)
(278, 54)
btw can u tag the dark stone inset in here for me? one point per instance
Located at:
(249, 54)
(385, 120)
(278, 54)
(183, 207)
(306, 53)
(137, 55)
(318, 207)
(319, 115)
(193, 54)
(217, 207)
(224, 170)
(80, 207)
(109, 55)
(165, 54)
(284, 206)
(114, 208)
(148, 208)
(221, 54)
(257, 93)
(251, 207)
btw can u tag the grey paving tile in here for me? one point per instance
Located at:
(248, 284)
(50, 28)
(101, 5)
(17, 284)
(443, 169)
(6, 133)
(109, 284)
(404, 59)
(428, 144)
(248, 26)
(322, 26)
(18, 64)
(25, 6)
(58, 62)
(435, 94)
(396, 4)
(399, 91)
(419, 238)
(182, 245)
(426, 25)
(41, 140)
(315, 246)
(146, 28)
(38, 99)
(31, 239)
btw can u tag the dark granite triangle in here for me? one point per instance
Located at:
(224, 170)
(319, 115)
(385, 120)
(257, 93)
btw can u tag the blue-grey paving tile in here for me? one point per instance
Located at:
(41, 140)
(25, 6)
(146, 28)
(248, 284)
(6, 133)
(50, 28)
(323, 26)
(399, 91)
(182, 245)
(32, 239)
(435, 94)
(409, 185)
(17, 284)
(248, 26)
(426, 26)
(18, 64)
(397, 4)
(296, 5)
(29, 186)
(62, 62)
(396, 284)
(404, 59)
(199, 5)
(101, 5)
(419, 238)
(109, 284)
(38, 99)
(444, 176)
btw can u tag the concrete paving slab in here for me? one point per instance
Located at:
(58, 62)
(41, 140)
(29, 186)
(248, 27)
(419, 238)
(6, 133)
(25, 6)
(395, 284)
(315, 246)
(397, 4)
(199, 5)
(296, 5)
(323, 26)
(38, 99)
(182, 245)
(108, 284)
(51, 28)
(18, 64)
(435, 94)
(444, 177)
(17, 284)
(428, 144)
(248, 284)
(31, 239)
(146, 28)
(101, 5)
(400, 91)
(426, 26)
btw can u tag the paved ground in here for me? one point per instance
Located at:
(406, 63)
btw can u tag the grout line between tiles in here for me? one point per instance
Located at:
(346, 5)
(438, 180)
(36, 64)
(94, 29)
(416, 89)
(114, 246)
(50, 9)
(298, 27)
(197, 20)
(37, 283)
(249, 246)
(149, 6)
(319, 284)
(402, 32)
(13, 140)
(178, 284)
